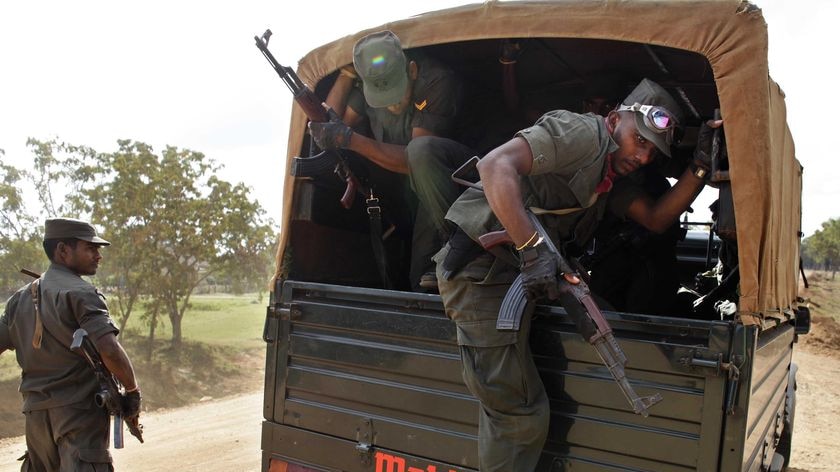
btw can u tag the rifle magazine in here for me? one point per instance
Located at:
(513, 306)
(316, 165)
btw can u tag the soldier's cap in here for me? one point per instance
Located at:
(64, 228)
(649, 92)
(381, 64)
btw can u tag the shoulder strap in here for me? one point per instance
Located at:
(37, 336)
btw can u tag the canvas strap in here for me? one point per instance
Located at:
(37, 336)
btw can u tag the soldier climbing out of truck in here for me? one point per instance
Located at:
(570, 163)
(411, 103)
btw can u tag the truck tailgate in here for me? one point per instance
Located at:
(377, 375)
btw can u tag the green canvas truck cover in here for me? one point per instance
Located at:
(732, 35)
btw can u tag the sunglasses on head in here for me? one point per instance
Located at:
(657, 119)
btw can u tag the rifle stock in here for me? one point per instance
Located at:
(590, 322)
(30, 273)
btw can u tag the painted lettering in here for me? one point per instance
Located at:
(391, 463)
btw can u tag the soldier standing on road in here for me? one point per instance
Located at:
(564, 168)
(410, 102)
(65, 430)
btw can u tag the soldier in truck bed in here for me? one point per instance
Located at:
(566, 163)
(410, 103)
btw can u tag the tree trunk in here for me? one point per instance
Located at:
(126, 311)
(153, 321)
(175, 317)
(152, 327)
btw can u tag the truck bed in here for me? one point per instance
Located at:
(364, 379)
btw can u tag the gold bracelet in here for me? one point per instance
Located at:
(530, 240)
(507, 61)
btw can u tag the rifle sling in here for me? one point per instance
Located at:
(374, 212)
(40, 327)
(38, 334)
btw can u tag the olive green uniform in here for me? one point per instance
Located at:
(435, 104)
(570, 159)
(65, 430)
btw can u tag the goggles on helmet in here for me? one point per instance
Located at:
(657, 119)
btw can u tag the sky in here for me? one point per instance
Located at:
(187, 74)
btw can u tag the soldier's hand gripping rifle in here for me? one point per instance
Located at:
(110, 395)
(315, 110)
(574, 295)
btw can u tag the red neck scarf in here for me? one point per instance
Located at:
(606, 184)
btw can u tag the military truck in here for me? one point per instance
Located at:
(360, 378)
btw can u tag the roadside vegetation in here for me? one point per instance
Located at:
(222, 354)
(823, 295)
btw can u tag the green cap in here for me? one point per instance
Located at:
(63, 228)
(381, 64)
(649, 92)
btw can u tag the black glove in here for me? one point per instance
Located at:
(703, 151)
(538, 267)
(131, 404)
(331, 135)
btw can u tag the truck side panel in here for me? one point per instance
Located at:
(751, 432)
(379, 371)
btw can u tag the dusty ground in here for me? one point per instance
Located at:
(220, 435)
(816, 434)
(224, 435)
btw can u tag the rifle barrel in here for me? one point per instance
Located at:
(30, 273)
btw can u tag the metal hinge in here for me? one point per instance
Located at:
(364, 440)
(732, 372)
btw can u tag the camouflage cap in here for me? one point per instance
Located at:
(63, 228)
(381, 64)
(650, 93)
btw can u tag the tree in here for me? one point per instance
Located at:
(824, 246)
(20, 245)
(171, 221)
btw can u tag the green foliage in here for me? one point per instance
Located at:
(171, 221)
(20, 242)
(823, 247)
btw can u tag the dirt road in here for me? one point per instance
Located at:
(224, 435)
(214, 436)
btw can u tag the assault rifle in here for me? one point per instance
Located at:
(581, 307)
(316, 111)
(110, 393)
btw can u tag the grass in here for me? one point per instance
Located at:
(219, 320)
(223, 321)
